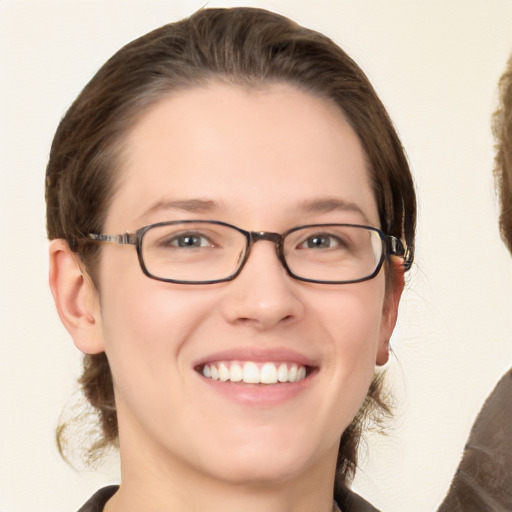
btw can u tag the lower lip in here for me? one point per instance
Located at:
(262, 395)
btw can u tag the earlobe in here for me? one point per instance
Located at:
(75, 298)
(390, 310)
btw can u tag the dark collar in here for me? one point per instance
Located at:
(99, 499)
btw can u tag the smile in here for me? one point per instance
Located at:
(250, 372)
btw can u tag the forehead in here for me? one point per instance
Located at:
(246, 151)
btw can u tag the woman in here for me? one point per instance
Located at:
(233, 349)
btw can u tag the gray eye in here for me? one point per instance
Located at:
(321, 241)
(189, 240)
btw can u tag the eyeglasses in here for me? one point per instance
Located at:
(209, 251)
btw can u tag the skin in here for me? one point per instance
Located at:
(256, 158)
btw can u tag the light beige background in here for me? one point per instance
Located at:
(435, 65)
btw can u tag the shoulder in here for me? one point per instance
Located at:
(483, 480)
(99, 499)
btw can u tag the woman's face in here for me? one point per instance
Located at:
(267, 159)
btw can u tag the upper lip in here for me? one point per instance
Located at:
(258, 355)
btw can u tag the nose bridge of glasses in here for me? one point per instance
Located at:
(268, 236)
(256, 236)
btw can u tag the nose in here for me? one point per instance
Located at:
(263, 295)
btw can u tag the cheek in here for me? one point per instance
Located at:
(152, 323)
(351, 321)
(353, 317)
(356, 327)
(145, 323)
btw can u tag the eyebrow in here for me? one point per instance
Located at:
(308, 207)
(331, 204)
(186, 205)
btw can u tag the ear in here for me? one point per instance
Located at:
(75, 297)
(390, 309)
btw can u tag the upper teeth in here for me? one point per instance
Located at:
(254, 373)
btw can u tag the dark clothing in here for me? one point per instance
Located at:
(99, 499)
(348, 501)
(483, 481)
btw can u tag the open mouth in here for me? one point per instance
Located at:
(251, 372)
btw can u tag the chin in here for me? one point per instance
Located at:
(260, 473)
(268, 464)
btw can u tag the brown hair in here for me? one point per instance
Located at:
(502, 129)
(244, 46)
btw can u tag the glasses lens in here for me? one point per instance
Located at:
(333, 252)
(192, 251)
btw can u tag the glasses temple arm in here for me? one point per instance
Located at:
(125, 238)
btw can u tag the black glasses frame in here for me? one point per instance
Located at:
(391, 246)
